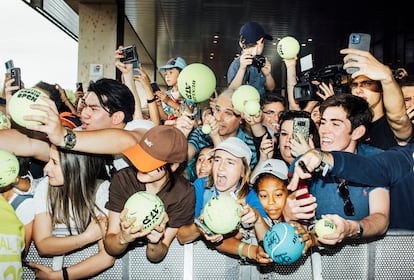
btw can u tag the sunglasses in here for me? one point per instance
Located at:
(344, 194)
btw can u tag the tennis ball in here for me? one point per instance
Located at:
(288, 47)
(324, 226)
(221, 214)
(252, 107)
(196, 82)
(243, 94)
(147, 208)
(282, 244)
(206, 128)
(19, 105)
(9, 168)
(4, 122)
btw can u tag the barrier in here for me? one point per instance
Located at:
(388, 257)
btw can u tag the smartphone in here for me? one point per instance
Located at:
(203, 227)
(301, 125)
(79, 86)
(9, 65)
(16, 75)
(130, 54)
(359, 41)
(136, 64)
(155, 87)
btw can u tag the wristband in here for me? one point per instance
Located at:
(248, 251)
(240, 249)
(65, 273)
(151, 100)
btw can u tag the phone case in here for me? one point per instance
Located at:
(16, 74)
(301, 125)
(9, 66)
(203, 227)
(359, 41)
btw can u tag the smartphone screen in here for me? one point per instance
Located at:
(359, 41)
(301, 125)
(16, 75)
(203, 227)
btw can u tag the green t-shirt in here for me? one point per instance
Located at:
(11, 242)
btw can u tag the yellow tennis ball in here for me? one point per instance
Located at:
(252, 107)
(243, 94)
(206, 128)
(9, 168)
(221, 214)
(147, 208)
(324, 227)
(19, 105)
(288, 47)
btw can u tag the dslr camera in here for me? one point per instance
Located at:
(305, 90)
(259, 61)
(130, 54)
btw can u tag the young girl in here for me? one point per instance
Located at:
(70, 214)
(230, 176)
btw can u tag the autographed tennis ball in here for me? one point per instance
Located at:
(197, 82)
(19, 105)
(252, 107)
(9, 168)
(147, 207)
(324, 226)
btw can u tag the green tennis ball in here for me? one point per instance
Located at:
(252, 107)
(221, 214)
(206, 128)
(196, 82)
(147, 208)
(324, 227)
(243, 94)
(19, 105)
(4, 122)
(288, 47)
(9, 168)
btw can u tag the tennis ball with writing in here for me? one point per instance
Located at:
(206, 128)
(324, 227)
(19, 105)
(288, 47)
(196, 82)
(9, 168)
(147, 208)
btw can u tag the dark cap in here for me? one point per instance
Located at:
(252, 32)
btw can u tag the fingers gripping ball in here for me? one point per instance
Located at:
(282, 244)
(242, 95)
(9, 168)
(19, 105)
(221, 214)
(324, 227)
(288, 47)
(196, 82)
(147, 208)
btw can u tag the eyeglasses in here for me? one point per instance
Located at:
(344, 194)
(363, 84)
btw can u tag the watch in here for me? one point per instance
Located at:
(360, 231)
(69, 139)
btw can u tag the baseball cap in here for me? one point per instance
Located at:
(272, 166)
(252, 31)
(175, 62)
(70, 120)
(160, 145)
(236, 147)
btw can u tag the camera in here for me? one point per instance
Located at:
(305, 90)
(130, 54)
(259, 61)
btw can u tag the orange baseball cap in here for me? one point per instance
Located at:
(160, 145)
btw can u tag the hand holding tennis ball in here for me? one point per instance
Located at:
(324, 226)
(252, 107)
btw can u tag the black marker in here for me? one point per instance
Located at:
(303, 166)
